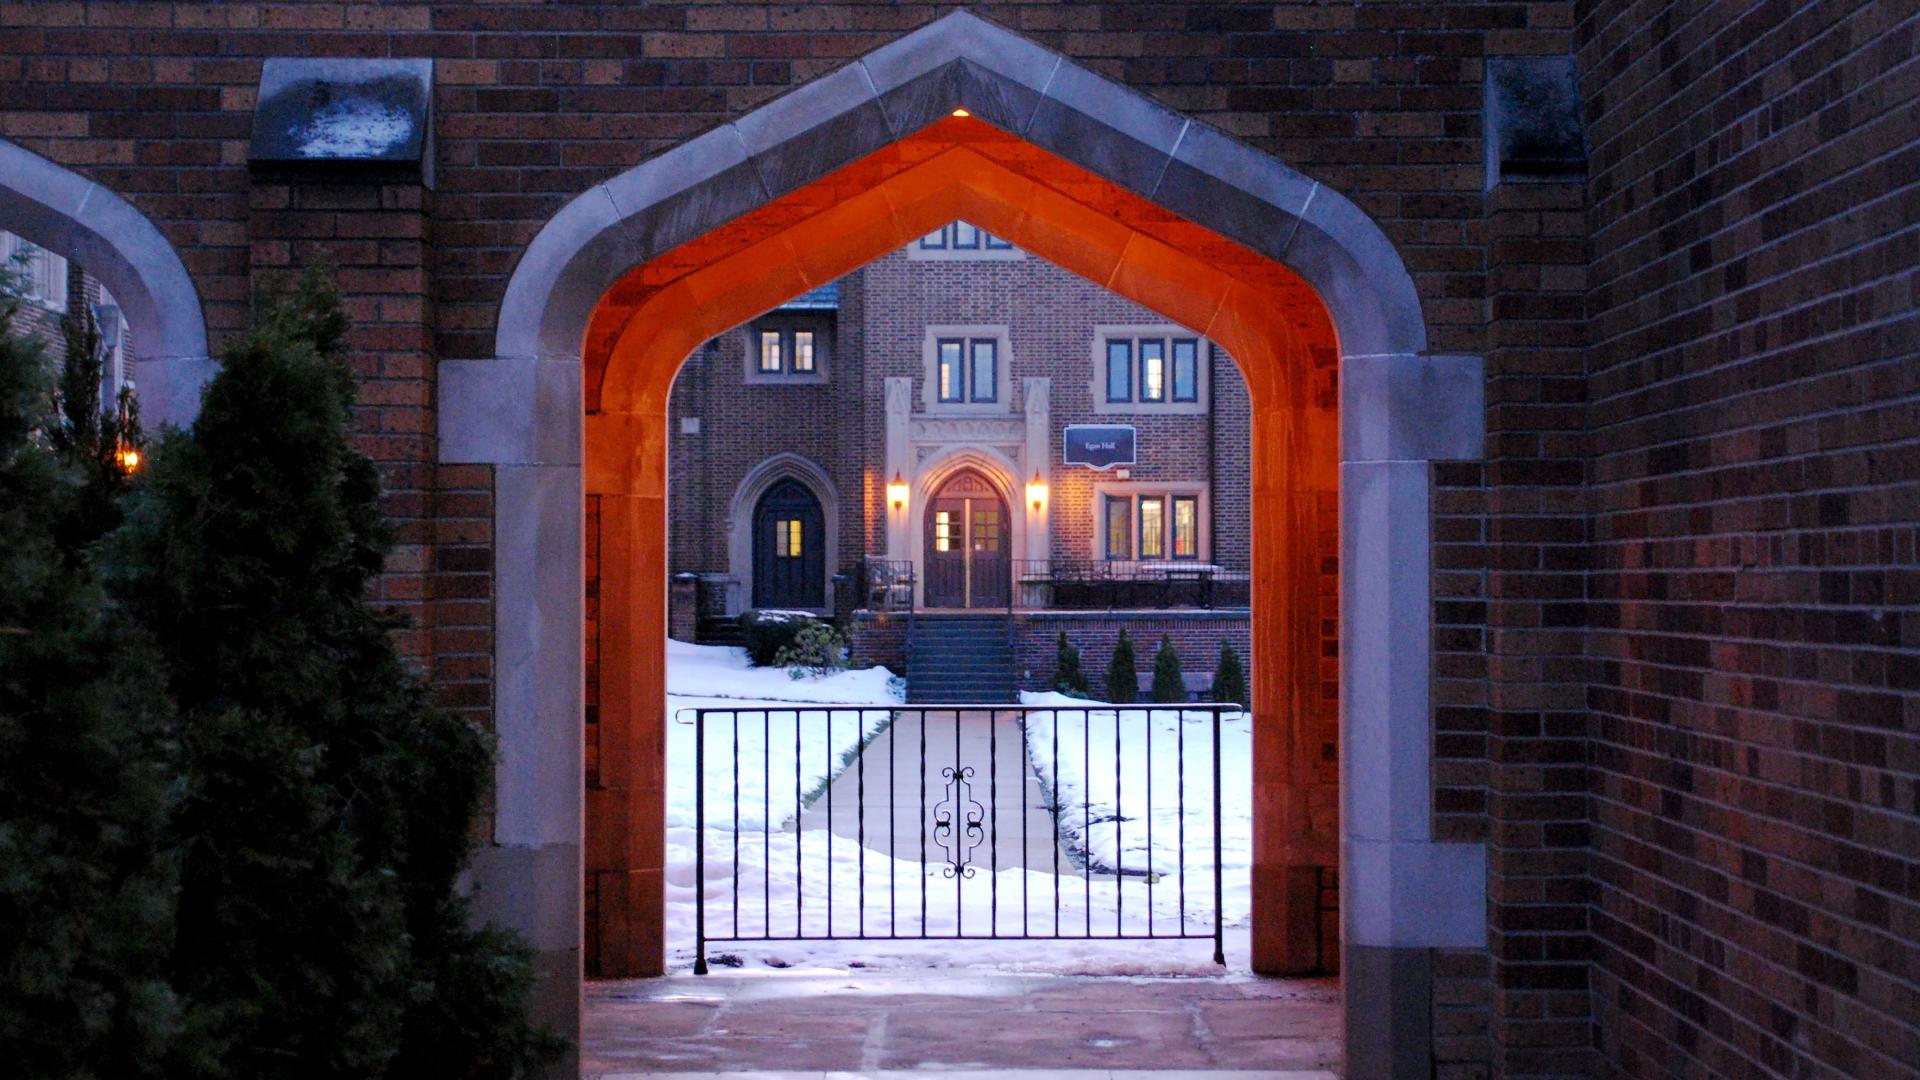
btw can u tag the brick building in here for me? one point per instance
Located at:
(953, 371)
(48, 285)
(1620, 296)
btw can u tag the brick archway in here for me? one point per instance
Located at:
(633, 275)
(65, 212)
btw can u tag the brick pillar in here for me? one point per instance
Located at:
(372, 231)
(1535, 597)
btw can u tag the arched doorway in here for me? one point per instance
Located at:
(789, 548)
(963, 119)
(967, 546)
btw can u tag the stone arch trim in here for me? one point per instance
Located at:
(759, 480)
(1010, 82)
(1401, 408)
(63, 211)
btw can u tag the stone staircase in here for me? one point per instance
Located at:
(960, 659)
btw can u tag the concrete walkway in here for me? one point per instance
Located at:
(999, 1025)
(886, 780)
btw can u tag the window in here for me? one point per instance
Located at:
(1119, 527)
(1153, 369)
(1148, 369)
(1186, 527)
(943, 530)
(1186, 369)
(962, 237)
(968, 370)
(1120, 370)
(1149, 525)
(42, 274)
(787, 534)
(788, 347)
(1153, 528)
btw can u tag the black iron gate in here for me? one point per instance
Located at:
(847, 822)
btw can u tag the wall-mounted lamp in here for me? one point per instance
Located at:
(897, 492)
(961, 112)
(1037, 492)
(129, 458)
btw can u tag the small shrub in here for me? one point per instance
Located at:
(1229, 677)
(1169, 685)
(1068, 677)
(768, 631)
(816, 650)
(1123, 681)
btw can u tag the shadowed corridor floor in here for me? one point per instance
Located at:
(864, 1025)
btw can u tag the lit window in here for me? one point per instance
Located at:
(1186, 527)
(1119, 527)
(788, 531)
(789, 346)
(1120, 370)
(1186, 369)
(1153, 369)
(1153, 528)
(950, 370)
(967, 370)
(942, 530)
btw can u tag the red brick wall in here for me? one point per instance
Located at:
(1755, 187)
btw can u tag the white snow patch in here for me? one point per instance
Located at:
(353, 128)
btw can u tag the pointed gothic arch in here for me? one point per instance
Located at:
(633, 274)
(66, 213)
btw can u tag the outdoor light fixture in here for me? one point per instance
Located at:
(961, 112)
(128, 457)
(1037, 492)
(897, 492)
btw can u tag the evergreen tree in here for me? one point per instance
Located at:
(86, 777)
(1068, 678)
(1123, 682)
(1229, 678)
(328, 804)
(92, 441)
(1169, 685)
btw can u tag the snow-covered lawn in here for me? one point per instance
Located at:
(1139, 819)
(784, 744)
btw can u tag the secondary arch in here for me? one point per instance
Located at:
(65, 212)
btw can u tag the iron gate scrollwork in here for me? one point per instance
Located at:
(862, 822)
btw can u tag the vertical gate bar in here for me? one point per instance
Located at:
(893, 827)
(860, 816)
(1180, 803)
(736, 828)
(1026, 850)
(959, 838)
(1086, 804)
(993, 823)
(1177, 714)
(1054, 816)
(1219, 926)
(1119, 883)
(699, 842)
(828, 751)
(799, 862)
(923, 822)
(766, 822)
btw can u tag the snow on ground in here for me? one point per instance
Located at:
(788, 751)
(1140, 818)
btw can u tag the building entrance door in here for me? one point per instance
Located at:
(789, 548)
(966, 547)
